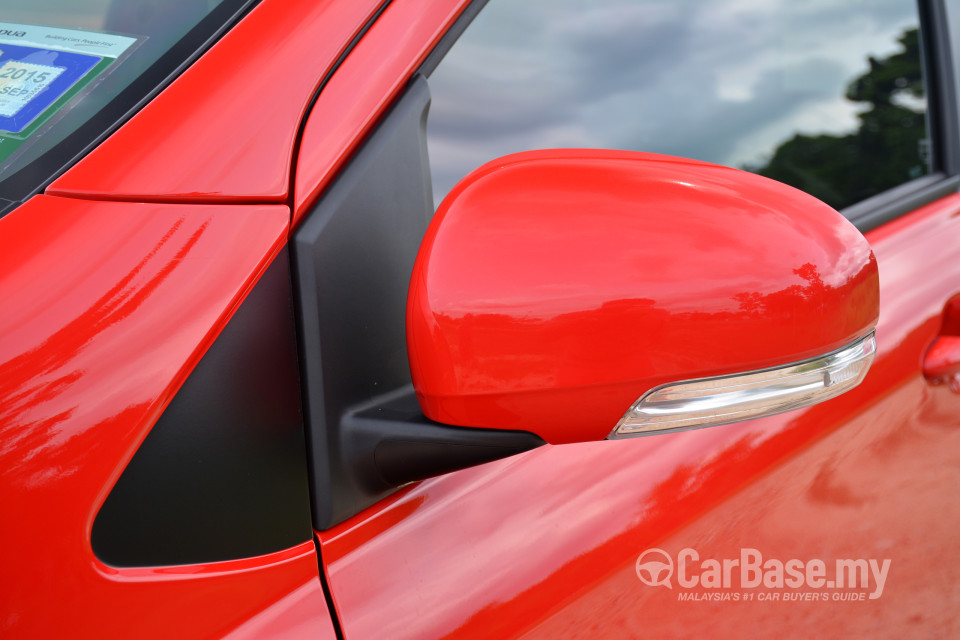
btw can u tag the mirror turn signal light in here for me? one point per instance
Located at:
(709, 402)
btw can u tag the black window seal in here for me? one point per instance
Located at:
(891, 204)
(943, 118)
(942, 125)
(938, 54)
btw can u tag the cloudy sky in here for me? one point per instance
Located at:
(719, 80)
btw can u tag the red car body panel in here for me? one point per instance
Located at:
(109, 303)
(91, 353)
(226, 129)
(544, 544)
(364, 86)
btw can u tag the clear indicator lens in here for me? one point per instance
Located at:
(714, 401)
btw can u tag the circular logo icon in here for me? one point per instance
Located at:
(655, 568)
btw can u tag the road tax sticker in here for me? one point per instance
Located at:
(31, 79)
(43, 68)
(21, 82)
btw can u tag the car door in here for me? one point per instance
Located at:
(833, 520)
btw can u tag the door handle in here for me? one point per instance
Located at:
(942, 360)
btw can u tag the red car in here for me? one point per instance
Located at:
(254, 384)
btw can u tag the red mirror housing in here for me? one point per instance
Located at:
(554, 288)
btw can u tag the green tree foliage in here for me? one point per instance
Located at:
(887, 149)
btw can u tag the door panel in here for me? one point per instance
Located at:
(545, 544)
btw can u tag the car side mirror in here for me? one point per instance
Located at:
(585, 294)
(558, 296)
